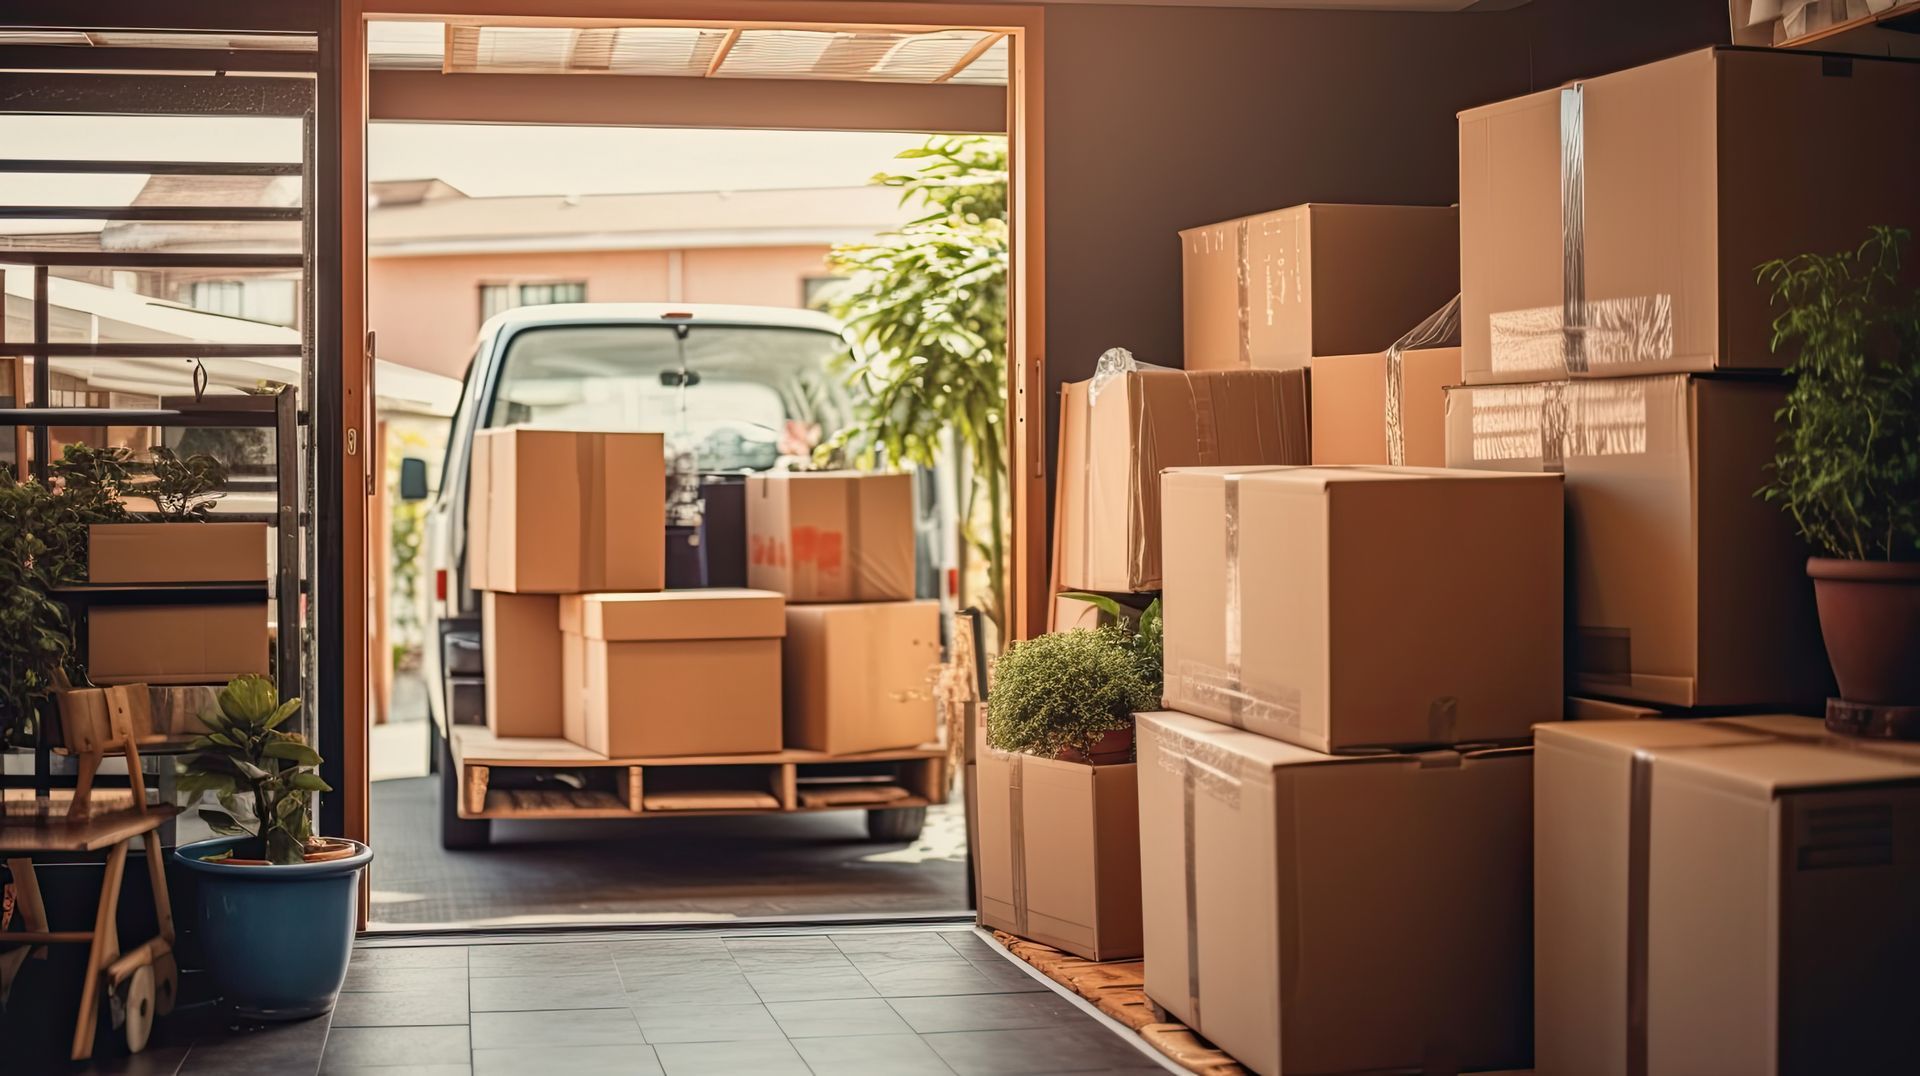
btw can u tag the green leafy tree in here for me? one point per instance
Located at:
(1848, 467)
(926, 313)
(262, 777)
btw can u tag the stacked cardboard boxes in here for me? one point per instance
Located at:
(1334, 811)
(1059, 840)
(176, 644)
(1609, 235)
(860, 651)
(566, 542)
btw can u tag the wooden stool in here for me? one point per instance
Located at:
(96, 722)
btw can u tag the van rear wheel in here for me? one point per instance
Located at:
(456, 833)
(896, 823)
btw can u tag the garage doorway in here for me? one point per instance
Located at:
(431, 67)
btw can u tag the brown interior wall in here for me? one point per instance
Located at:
(1160, 119)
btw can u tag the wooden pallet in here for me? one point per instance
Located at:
(515, 777)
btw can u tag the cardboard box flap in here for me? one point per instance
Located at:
(1236, 755)
(1764, 769)
(1616, 737)
(678, 615)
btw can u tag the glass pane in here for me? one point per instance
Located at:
(98, 304)
(741, 387)
(494, 298)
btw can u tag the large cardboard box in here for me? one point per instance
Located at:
(1643, 201)
(682, 672)
(1354, 418)
(831, 536)
(521, 637)
(565, 511)
(1314, 913)
(176, 644)
(1059, 852)
(1115, 441)
(1346, 607)
(1722, 897)
(213, 552)
(1684, 588)
(1274, 289)
(860, 677)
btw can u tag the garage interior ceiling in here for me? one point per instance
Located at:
(964, 57)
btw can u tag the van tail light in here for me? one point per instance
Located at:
(440, 584)
(953, 583)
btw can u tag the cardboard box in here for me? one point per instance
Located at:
(1582, 709)
(831, 536)
(1351, 418)
(1690, 172)
(1115, 442)
(521, 636)
(213, 552)
(1345, 607)
(1684, 588)
(1059, 852)
(1273, 289)
(1314, 913)
(860, 677)
(176, 644)
(1744, 885)
(565, 511)
(674, 673)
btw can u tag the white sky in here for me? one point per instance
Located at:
(481, 160)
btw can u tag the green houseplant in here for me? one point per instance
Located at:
(1848, 466)
(1072, 694)
(43, 546)
(268, 870)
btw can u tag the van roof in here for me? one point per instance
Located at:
(685, 313)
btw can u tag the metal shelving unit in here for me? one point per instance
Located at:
(124, 82)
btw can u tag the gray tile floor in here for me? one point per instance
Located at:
(885, 1002)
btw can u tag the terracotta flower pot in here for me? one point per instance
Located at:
(1870, 617)
(1111, 749)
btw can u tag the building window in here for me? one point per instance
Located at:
(824, 292)
(273, 301)
(497, 297)
(218, 297)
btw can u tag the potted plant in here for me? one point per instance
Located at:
(43, 546)
(1848, 467)
(278, 906)
(1072, 695)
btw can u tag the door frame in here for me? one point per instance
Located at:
(1026, 360)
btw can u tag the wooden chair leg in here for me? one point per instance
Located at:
(157, 875)
(26, 895)
(81, 806)
(100, 953)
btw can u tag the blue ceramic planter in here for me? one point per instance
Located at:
(277, 938)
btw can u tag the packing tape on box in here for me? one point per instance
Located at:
(1440, 329)
(590, 455)
(1243, 283)
(1017, 836)
(1555, 421)
(1582, 334)
(1639, 848)
(1201, 767)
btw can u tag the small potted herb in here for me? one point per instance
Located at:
(1072, 695)
(278, 906)
(1848, 466)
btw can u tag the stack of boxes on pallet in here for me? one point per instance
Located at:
(567, 540)
(1346, 827)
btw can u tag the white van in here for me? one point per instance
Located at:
(743, 386)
